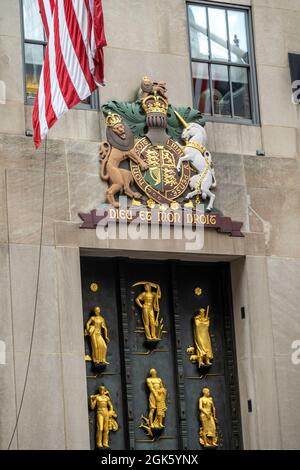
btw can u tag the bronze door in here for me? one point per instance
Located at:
(131, 356)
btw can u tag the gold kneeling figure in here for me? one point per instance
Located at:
(202, 351)
(105, 415)
(208, 435)
(96, 329)
(157, 404)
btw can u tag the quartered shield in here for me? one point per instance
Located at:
(161, 182)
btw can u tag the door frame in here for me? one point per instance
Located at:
(230, 363)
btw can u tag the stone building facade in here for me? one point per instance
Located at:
(262, 191)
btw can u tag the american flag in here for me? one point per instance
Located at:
(73, 64)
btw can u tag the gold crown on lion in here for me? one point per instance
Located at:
(112, 119)
(155, 104)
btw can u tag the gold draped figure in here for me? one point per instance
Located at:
(208, 435)
(157, 404)
(148, 301)
(105, 416)
(202, 351)
(97, 331)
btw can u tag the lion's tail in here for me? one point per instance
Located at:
(104, 153)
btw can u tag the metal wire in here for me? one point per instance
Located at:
(36, 295)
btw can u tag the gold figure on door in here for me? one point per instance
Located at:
(202, 351)
(96, 329)
(105, 416)
(148, 301)
(154, 424)
(208, 435)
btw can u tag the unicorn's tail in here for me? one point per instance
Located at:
(214, 182)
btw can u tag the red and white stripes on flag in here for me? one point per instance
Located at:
(73, 64)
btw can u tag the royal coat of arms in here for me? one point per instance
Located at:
(165, 147)
(156, 155)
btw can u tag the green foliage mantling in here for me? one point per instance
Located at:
(189, 115)
(132, 113)
(135, 118)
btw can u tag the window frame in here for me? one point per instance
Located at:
(251, 67)
(93, 106)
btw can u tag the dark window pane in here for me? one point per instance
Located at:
(201, 87)
(34, 58)
(198, 32)
(240, 89)
(33, 26)
(221, 90)
(238, 37)
(218, 34)
(87, 100)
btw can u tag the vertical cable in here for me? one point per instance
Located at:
(36, 296)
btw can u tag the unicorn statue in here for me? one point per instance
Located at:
(195, 152)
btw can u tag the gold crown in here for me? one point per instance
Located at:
(155, 104)
(113, 119)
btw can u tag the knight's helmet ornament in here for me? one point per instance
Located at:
(156, 106)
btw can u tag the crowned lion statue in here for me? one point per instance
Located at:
(118, 147)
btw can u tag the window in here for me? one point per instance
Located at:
(223, 68)
(34, 50)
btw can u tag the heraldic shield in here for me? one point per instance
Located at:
(161, 182)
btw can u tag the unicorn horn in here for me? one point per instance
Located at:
(181, 120)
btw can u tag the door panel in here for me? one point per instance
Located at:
(209, 279)
(161, 359)
(105, 274)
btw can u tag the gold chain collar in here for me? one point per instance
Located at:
(196, 146)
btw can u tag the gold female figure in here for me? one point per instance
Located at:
(97, 330)
(208, 430)
(202, 338)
